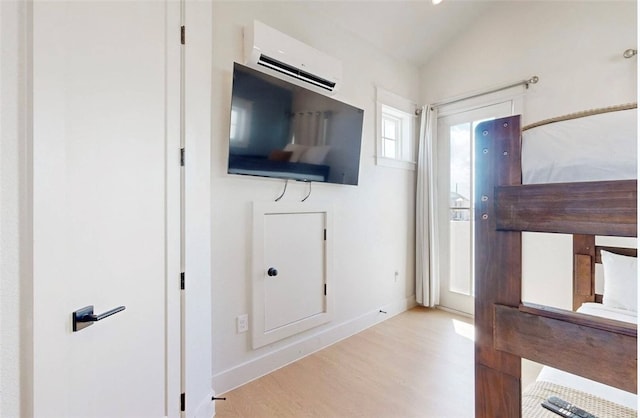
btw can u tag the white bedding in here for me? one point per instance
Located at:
(593, 148)
(559, 377)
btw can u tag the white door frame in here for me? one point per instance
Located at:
(511, 98)
(196, 81)
(174, 192)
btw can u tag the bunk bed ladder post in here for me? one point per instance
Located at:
(584, 256)
(497, 267)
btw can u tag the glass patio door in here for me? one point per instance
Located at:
(455, 145)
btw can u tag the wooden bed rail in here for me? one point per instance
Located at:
(629, 252)
(595, 348)
(597, 208)
(581, 319)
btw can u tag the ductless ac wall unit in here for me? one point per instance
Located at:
(271, 51)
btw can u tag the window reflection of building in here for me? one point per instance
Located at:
(460, 207)
(240, 122)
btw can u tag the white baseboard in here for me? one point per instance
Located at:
(205, 408)
(453, 311)
(244, 373)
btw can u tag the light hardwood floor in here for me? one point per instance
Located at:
(416, 364)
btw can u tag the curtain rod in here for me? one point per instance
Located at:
(532, 80)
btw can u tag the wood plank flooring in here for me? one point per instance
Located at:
(416, 364)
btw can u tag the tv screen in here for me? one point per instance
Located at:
(285, 131)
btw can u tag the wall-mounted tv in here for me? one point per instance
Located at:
(285, 131)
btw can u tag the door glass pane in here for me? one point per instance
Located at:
(460, 165)
(460, 209)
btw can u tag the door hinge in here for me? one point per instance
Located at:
(325, 234)
(182, 35)
(325, 289)
(182, 280)
(182, 157)
(183, 402)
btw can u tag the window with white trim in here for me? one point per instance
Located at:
(396, 131)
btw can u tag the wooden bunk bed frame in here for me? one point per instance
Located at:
(508, 330)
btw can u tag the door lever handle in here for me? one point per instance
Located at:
(85, 317)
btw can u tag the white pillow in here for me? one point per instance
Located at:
(620, 281)
(297, 151)
(315, 155)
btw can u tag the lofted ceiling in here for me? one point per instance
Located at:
(408, 30)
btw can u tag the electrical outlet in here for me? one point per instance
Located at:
(242, 323)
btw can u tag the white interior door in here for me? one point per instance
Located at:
(103, 193)
(455, 202)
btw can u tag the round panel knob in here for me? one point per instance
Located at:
(272, 272)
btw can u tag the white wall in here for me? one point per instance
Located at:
(576, 50)
(373, 222)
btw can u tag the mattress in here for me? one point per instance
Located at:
(590, 387)
(591, 148)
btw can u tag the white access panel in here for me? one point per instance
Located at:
(291, 270)
(294, 249)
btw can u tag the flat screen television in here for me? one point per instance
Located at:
(281, 130)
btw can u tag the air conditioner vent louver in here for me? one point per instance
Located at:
(270, 51)
(295, 72)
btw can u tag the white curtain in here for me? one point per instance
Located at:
(309, 128)
(427, 291)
